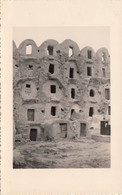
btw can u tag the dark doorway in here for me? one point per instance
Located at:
(89, 71)
(53, 110)
(71, 73)
(63, 128)
(52, 89)
(83, 129)
(72, 93)
(105, 128)
(51, 68)
(33, 134)
(91, 111)
(92, 93)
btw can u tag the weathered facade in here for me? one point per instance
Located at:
(60, 90)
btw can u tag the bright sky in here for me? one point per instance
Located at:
(96, 37)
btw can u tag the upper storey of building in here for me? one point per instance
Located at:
(51, 48)
(65, 58)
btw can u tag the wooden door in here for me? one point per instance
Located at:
(63, 128)
(33, 134)
(83, 129)
(105, 128)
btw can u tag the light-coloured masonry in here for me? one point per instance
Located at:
(60, 90)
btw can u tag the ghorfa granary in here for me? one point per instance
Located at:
(60, 91)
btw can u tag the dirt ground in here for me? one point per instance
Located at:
(83, 153)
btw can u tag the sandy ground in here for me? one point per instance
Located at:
(83, 153)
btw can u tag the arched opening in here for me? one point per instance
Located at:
(50, 50)
(92, 93)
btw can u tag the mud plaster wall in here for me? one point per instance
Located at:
(33, 70)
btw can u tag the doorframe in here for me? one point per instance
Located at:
(36, 133)
(105, 131)
(85, 129)
(63, 123)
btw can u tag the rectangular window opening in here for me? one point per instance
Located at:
(109, 110)
(71, 73)
(50, 50)
(91, 111)
(103, 69)
(89, 54)
(107, 94)
(30, 114)
(52, 88)
(72, 93)
(28, 86)
(51, 68)
(29, 49)
(30, 67)
(70, 51)
(103, 57)
(72, 110)
(53, 110)
(89, 71)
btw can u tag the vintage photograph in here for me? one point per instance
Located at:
(61, 97)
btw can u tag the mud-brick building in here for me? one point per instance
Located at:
(60, 90)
